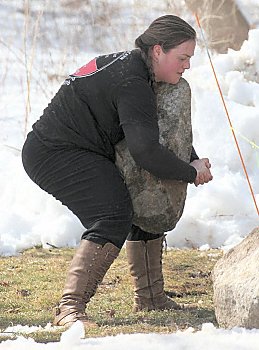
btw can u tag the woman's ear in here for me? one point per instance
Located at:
(156, 52)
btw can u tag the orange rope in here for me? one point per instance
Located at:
(229, 120)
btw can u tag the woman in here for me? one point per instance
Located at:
(70, 154)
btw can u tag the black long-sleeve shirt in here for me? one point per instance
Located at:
(104, 101)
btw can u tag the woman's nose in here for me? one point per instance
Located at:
(187, 64)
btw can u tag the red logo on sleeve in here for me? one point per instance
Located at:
(87, 69)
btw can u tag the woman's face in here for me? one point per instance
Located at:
(169, 67)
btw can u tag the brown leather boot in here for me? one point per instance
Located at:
(88, 267)
(145, 263)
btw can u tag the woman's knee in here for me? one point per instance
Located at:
(113, 230)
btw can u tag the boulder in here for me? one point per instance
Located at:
(158, 204)
(236, 285)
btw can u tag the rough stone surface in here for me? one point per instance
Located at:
(158, 205)
(236, 285)
(223, 22)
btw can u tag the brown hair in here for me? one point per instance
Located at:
(167, 31)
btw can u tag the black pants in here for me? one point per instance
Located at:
(90, 185)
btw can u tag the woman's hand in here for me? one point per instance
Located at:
(202, 167)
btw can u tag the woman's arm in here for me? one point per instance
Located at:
(136, 107)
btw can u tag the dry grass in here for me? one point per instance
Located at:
(31, 284)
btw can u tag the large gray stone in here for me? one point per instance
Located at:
(158, 205)
(236, 285)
